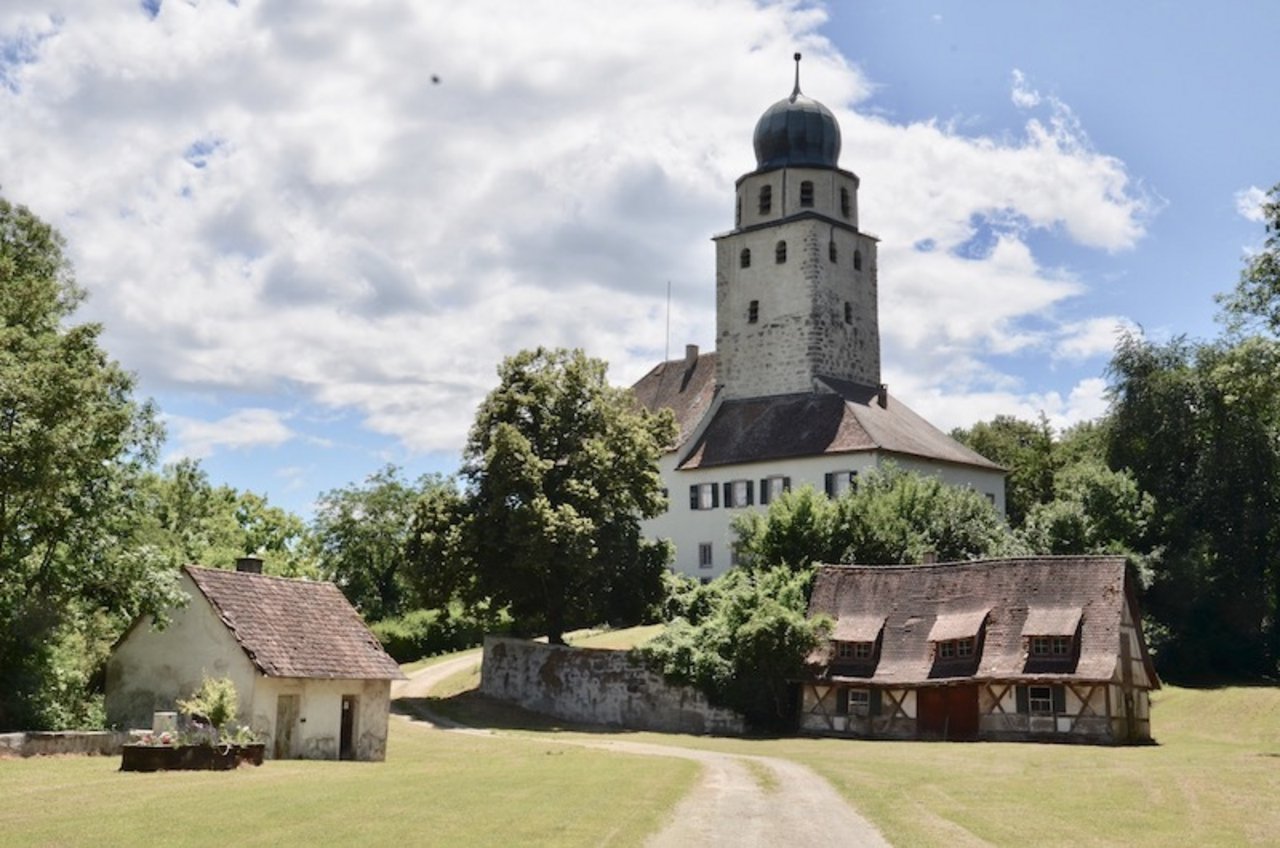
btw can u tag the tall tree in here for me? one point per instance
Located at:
(73, 442)
(562, 467)
(1255, 302)
(1023, 447)
(360, 533)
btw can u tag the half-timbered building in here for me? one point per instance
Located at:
(1047, 648)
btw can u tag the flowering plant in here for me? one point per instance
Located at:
(164, 738)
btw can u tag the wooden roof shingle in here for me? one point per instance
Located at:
(294, 628)
(1009, 598)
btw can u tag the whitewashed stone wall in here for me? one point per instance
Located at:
(596, 686)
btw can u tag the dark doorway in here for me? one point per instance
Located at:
(947, 712)
(347, 740)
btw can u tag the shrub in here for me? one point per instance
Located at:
(215, 702)
(424, 633)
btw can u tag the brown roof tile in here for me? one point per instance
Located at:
(683, 386)
(922, 602)
(846, 419)
(295, 628)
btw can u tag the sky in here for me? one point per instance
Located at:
(313, 230)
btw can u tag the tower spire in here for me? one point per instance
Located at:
(796, 92)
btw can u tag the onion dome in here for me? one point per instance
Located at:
(797, 132)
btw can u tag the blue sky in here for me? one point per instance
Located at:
(313, 256)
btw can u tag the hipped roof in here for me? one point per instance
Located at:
(294, 628)
(922, 604)
(838, 417)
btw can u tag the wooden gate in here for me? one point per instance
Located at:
(948, 712)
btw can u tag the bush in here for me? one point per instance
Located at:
(215, 702)
(425, 633)
(751, 641)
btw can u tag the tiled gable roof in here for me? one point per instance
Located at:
(936, 602)
(294, 628)
(684, 386)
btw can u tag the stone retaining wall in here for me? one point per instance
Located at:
(36, 743)
(596, 686)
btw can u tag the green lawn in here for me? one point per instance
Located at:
(434, 789)
(1213, 779)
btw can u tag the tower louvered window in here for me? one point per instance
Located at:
(831, 250)
(766, 199)
(844, 202)
(806, 193)
(780, 252)
(744, 258)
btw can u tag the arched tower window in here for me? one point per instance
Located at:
(848, 312)
(857, 260)
(831, 250)
(780, 252)
(753, 312)
(844, 202)
(766, 199)
(744, 258)
(806, 193)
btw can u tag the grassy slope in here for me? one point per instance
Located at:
(1214, 779)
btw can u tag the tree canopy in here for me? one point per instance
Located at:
(561, 468)
(73, 445)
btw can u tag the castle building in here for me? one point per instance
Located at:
(792, 394)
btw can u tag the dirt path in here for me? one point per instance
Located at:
(739, 800)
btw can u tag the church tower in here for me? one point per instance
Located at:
(795, 277)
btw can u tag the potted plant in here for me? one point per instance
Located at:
(209, 737)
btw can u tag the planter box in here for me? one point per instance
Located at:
(189, 757)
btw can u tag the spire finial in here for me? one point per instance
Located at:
(796, 92)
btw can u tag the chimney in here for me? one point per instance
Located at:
(929, 558)
(249, 564)
(690, 356)
(882, 396)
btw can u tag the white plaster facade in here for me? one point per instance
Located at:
(150, 670)
(689, 529)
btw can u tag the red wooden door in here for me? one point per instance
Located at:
(931, 712)
(947, 712)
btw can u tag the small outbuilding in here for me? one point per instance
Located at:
(1041, 648)
(311, 678)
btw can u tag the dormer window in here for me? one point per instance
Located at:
(766, 199)
(844, 202)
(855, 650)
(744, 258)
(780, 252)
(1051, 646)
(857, 260)
(806, 193)
(953, 649)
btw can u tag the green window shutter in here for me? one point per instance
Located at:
(764, 491)
(1059, 699)
(750, 493)
(728, 494)
(715, 496)
(1024, 707)
(875, 702)
(693, 496)
(842, 702)
(829, 483)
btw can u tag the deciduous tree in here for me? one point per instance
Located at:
(561, 469)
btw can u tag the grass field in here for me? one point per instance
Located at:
(1213, 779)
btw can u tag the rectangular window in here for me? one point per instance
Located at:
(806, 193)
(739, 493)
(859, 702)
(1051, 646)
(844, 650)
(862, 650)
(964, 647)
(946, 650)
(704, 555)
(704, 496)
(766, 199)
(956, 649)
(1040, 700)
(839, 482)
(771, 488)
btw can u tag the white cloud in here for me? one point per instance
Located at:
(245, 428)
(1023, 95)
(1249, 203)
(1091, 337)
(267, 202)
(1085, 401)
